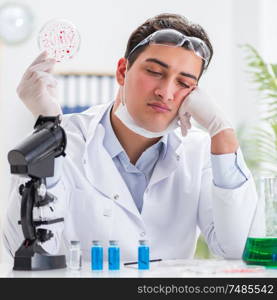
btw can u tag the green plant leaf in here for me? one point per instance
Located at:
(261, 149)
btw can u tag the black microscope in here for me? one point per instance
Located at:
(34, 158)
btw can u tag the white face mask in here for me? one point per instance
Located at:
(125, 117)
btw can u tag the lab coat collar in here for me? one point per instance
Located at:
(106, 178)
(97, 113)
(173, 158)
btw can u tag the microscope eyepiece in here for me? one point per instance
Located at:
(35, 155)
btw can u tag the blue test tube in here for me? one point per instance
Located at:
(143, 255)
(96, 256)
(114, 255)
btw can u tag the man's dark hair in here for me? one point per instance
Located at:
(162, 21)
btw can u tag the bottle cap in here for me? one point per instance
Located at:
(113, 242)
(143, 242)
(74, 242)
(96, 242)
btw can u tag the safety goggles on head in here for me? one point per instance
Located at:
(172, 37)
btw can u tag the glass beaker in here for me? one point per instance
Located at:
(263, 250)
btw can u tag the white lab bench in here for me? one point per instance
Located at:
(168, 268)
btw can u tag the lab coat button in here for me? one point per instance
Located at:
(178, 157)
(116, 197)
(107, 213)
(142, 234)
(84, 161)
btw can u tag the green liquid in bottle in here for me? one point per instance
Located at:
(261, 251)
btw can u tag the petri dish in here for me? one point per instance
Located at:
(60, 38)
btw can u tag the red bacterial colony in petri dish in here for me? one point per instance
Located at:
(60, 39)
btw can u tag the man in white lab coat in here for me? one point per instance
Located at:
(128, 175)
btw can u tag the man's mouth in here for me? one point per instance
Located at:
(159, 107)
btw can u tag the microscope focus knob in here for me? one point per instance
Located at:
(21, 189)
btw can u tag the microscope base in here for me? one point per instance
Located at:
(34, 257)
(39, 262)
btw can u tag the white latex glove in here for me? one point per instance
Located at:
(38, 88)
(203, 110)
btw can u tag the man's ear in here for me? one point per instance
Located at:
(120, 71)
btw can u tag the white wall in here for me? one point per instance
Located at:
(105, 27)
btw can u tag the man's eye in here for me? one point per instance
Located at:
(153, 72)
(184, 85)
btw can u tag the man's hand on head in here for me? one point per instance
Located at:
(201, 107)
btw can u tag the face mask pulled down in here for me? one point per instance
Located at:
(124, 116)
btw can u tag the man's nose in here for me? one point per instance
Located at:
(165, 91)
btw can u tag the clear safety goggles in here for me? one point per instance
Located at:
(172, 37)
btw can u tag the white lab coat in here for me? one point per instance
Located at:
(179, 200)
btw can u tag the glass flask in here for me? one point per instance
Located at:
(262, 250)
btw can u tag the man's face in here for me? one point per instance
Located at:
(157, 84)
